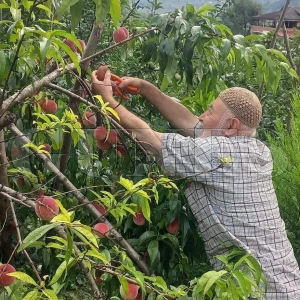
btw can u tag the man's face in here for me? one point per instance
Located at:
(212, 120)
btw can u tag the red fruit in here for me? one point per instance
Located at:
(100, 133)
(48, 106)
(139, 296)
(122, 151)
(83, 46)
(71, 44)
(47, 148)
(174, 226)
(4, 270)
(101, 208)
(20, 181)
(101, 229)
(15, 152)
(46, 208)
(89, 119)
(101, 72)
(120, 34)
(113, 137)
(102, 145)
(139, 219)
(132, 292)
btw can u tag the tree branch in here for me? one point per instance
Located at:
(69, 186)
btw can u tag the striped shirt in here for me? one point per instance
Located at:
(235, 203)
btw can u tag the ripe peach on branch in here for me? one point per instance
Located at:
(46, 208)
(101, 229)
(100, 133)
(48, 106)
(131, 293)
(120, 34)
(6, 280)
(174, 226)
(89, 119)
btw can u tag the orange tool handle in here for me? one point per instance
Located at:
(119, 80)
(120, 94)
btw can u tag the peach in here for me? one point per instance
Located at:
(15, 152)
(4, 270)
(174, 226)
(48, 106)
(101, 229)
(20, 181)
(71, 44)
(132, 292)
(100, 133)
(139, 295)
(101, 72)
(139, 218)
(46, 208)
(47, 148)
(102, 145)
(120, 34)
(83, 46)
(101, 208)
(89, 119)
(113, 137)
(121, 150)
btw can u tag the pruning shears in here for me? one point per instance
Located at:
(117, 80)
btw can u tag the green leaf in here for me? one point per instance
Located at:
(70, 246)
(146, 208)
(126, 183)
(102, 9)
(2, 63)
(60, 270)
(23, 277)
(50, 294)
(76, 11)
(212, 280)
(115, 11)
(97, 254)
(36, 234)
(86, 232)
(238, 275)
(65, 4)
(146, 236)
(225, 48)
(153, 250)
(31, 295)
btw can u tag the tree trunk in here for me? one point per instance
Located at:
(5, 211)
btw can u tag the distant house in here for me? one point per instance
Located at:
(268, 22)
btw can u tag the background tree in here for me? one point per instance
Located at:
(238, 15)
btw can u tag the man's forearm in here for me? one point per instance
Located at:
(150, 139)
(175, 113)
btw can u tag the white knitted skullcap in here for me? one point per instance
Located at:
(244, 104)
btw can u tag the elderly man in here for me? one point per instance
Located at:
(235, 203)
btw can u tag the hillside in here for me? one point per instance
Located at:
(268, 5)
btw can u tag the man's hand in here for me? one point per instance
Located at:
(134, 82)
(103, 88)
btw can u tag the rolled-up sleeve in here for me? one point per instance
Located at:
(188, 157)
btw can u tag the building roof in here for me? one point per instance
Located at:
(262, 29)
(291, 14)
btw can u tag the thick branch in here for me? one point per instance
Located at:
(9, 193)
(272, 44)
(287, 46)
(73, 104)
(70, 187)
(7, 119)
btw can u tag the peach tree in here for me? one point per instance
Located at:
(81, 200)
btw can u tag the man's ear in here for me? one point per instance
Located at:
(232, 127)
